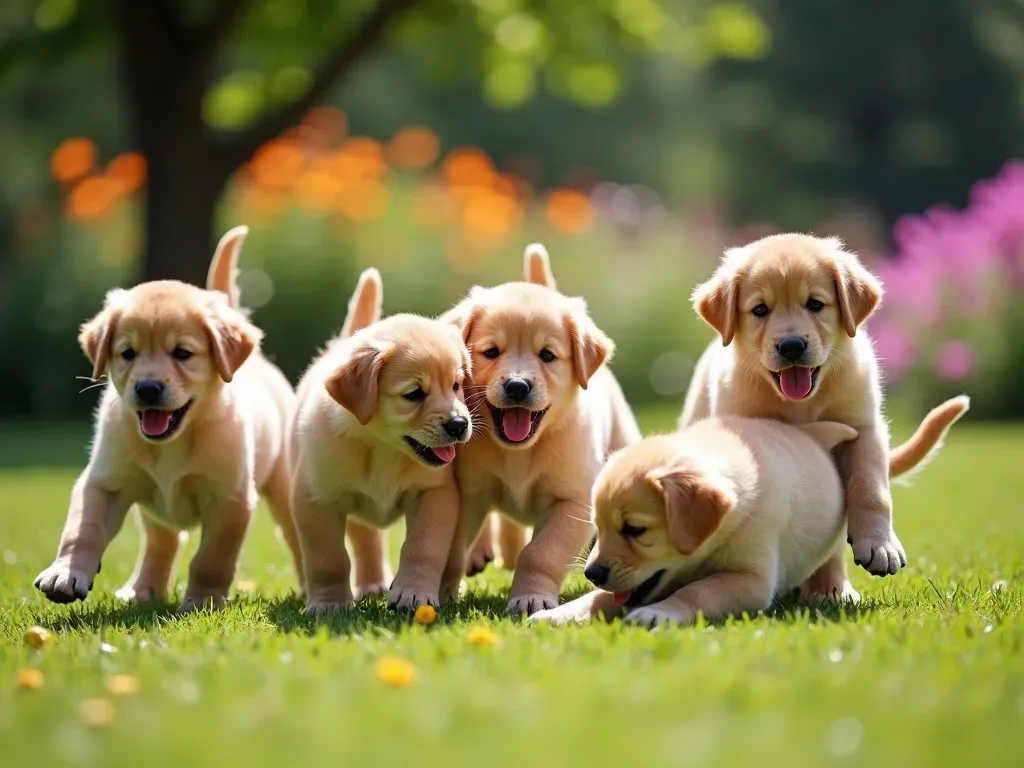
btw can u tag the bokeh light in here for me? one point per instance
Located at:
(414, 147)
(73, 159)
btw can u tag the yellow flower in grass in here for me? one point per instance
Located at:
(482, 636)
(122, 685)
(426, 614)
(395, 671)
(97, 713)
(38, 637)
(246, 586)
(29, 679)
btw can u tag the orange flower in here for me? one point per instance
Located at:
(414, 147)
(122, 685)
(487, 216)
(365, 202)
(129, 169)
(482, 636)
(569, 211)
(38, 637)
(368, 154)
(29, 679)
(425, 614)
(317, 189)
(72, 159)
(467, 167)
(395, 671)
(97, 713)
(277, 163)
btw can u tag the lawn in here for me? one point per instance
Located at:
(928, 670)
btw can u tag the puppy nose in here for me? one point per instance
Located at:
(149, 391)
(517, 389)
(456, 427)
(597, 574)
(791, 348)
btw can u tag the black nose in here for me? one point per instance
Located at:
(517, 390)
(791, 348)
(149, 391)
(597, 574)
(456, 427)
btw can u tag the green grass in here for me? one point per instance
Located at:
(929, 670)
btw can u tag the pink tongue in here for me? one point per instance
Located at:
(620, 598)
(154, 422)
(445, 454)
(796, 382)
(515, 423)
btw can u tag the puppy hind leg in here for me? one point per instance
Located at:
(512, 537)
(152, 576)
(830, 581)
(278, 493)
(370, 557)
(482, 551)
(213, 568)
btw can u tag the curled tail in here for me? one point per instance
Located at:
(223, 274)
(364, 306)
(537, 266)
(925, 443)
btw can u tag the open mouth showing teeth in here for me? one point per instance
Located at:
(796, 382)
(158, 424)
(435, 457)
(516, 425)
(635, 597)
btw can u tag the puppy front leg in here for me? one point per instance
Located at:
(325, 560)
(580, 610)
(559, 537)
(95, 515)
(864, 464)
(428, 541)
(370, 553)
(717, 596)
(467, 528)
(213, 568)
(156, 562)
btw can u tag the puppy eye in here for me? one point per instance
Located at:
(632, 531)
(128, 354)
(547, 355)
(415, 396)
(492, 353)
(180, 353)
(761, 310)
(455, 387)
(814, 305)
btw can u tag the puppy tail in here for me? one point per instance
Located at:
(925, 443)
(364, 306)
(223, 274)
(537, 266)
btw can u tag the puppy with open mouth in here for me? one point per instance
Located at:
(552, 411)
(191, 428)
(381, 414)
(723, 517)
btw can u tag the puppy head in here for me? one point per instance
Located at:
(655, 513)
(787, 302)
(532, 349)
(167, 347)
(402, 378)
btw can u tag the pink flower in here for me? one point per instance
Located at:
(955, 361)
(895, 348)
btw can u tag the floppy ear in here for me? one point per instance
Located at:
(717, 302)
(857, 290)
(232, 338)
(96, 335)
(828, 434)
(694, 506)
(353, 385)
(467, 360)
(537, 266)
(590, 347)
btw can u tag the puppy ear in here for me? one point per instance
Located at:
(467, 360)
(353, 385)
(96, 335)
(232, 338)
(858, 292)
(465, 314)
(828, 434)
(590, 347)
(717, 302)
(694, 506)
(537, 266)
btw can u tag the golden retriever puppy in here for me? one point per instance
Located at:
(553, 412)
(191, 428)
(721, 517)
(380, 415)
(789, 310)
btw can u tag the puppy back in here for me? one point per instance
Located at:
(365, 305)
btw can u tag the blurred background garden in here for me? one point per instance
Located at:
(435, 138)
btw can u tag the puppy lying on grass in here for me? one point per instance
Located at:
(191, 428)
(553, 412)
(722, 517)
(380, 414)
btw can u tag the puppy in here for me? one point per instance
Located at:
(789, 310)
(380, 414)
(191, 427)
(553, 412)
(722, 517)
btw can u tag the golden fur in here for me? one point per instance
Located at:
(528, 332)
(184, 364)
(379, 384)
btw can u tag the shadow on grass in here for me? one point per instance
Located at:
(98, 616)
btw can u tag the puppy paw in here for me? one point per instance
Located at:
(481, 555)
(559, 617)
(200, 602)
(530, 604)
(879, 555)
(140, 592)
(372, 588)
(63, 584)
(323, 607)
(409, 598)
(450, 591)
(654, 615)
(848, 593)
